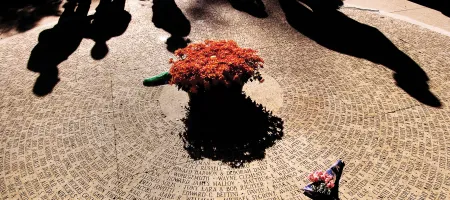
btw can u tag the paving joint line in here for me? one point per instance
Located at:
(402, 109)
(396, 11)
(363, 9)
(397, 110)
(114, 129)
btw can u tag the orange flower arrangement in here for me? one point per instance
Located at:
(201, 66)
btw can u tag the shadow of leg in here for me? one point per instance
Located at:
(335, 31)
(46, 81)
(167, 16)
(174, 43)
(110, 20)
(100, 50)
(57, 44)
(420, 90)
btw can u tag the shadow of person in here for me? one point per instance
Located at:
(229, 127)
(334, 30)
(167, 16)
(110, 20)
(255, 8)
(57, 44)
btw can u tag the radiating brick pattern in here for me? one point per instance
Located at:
(102, 135)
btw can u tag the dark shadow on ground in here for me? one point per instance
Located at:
(110, 20)
(230, 127)
(167, 16)
(57, 44)
(23, 15)
(334, 30)
(440, 5)
(255, 8)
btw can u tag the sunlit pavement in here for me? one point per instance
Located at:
(99, 133)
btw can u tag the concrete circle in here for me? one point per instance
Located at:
(173, 102)
(267, 93)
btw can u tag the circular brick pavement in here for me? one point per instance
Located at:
(101, 134)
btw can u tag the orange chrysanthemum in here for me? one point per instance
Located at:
(203, 65)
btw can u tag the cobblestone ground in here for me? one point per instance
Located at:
(102, 134)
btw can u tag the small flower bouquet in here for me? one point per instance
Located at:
(325, 183)
(201, 66)
(322, 182)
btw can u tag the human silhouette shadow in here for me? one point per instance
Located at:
(57, 44)
(334, 30)
(110, 20)
(167, 16)
(229, 127)
(440, 5)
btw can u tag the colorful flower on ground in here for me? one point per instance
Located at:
(330, 185)
(201, 65)
(321, 176)
(319, 173)
(324, 182)
(313, 178)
